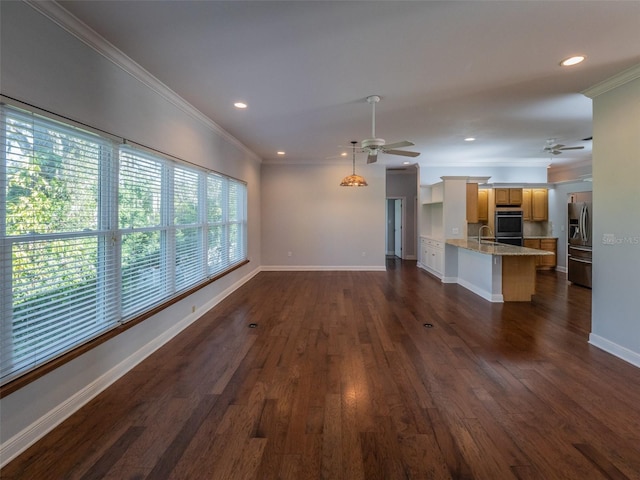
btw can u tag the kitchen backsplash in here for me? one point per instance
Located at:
(537, 229)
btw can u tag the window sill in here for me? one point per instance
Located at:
(33, 375)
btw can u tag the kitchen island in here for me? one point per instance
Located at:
(497, 272)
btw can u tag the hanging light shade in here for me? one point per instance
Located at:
(353, 180)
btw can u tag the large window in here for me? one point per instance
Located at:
(92, 234)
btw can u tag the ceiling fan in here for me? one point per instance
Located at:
(374, 145)
(557, 148)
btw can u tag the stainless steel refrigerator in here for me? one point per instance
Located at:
(580, 239)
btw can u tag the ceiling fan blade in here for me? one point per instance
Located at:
(372, 158)
(556, 152)
(404, 143)
(404, 153)
(571, 148)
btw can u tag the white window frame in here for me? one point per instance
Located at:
(109, 235)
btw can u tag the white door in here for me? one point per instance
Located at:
(397, 232)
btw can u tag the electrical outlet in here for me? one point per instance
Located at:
(455, 230)
(289, 254)
(193, 308)
(364, 254)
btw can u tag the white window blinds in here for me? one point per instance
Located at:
(189, 227)
(57, 253)
(142, 213)
(93, 234)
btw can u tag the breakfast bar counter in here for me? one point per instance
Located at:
(496, 271)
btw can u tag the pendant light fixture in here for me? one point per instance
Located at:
(353, 180)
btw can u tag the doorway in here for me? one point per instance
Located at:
(395, 238)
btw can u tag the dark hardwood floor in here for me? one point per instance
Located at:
(342, 380)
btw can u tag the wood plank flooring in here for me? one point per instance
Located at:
(342, 380)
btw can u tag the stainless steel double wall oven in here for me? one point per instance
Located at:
(509, 226)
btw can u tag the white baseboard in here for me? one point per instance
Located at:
(411, 257)
(440, 276)
(15, 445)
(561, 269)
(614, 349)
(494, 298)
(323, 268)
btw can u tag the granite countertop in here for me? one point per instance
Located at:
(493, 248)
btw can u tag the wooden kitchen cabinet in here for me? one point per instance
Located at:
(477, 204)
(532, 243)
(515, 196)
(539, 205)
(550, 245)
(544, 262)
(535, 204)
(508, 196)
(483, 205)
(501, 196)
(472, 203)
(526, 205)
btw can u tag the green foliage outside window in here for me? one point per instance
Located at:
(94, 234)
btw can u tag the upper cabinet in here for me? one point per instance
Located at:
(535, 204)
(483, 205)
(539, 205)
(508, 196)
(481, 202)
(526, 204)
(477, 204)
(472, 203)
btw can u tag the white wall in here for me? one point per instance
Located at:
(305, 211)
(616, 212)
(430, 175)
(46, 66)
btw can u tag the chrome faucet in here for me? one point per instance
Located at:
(480, 232)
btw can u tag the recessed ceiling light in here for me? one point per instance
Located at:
(406, 163)
(240, 105)
(470, 139)
(280, 152)
(567, 62)
(343, 154)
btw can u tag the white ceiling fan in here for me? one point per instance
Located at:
(557, 148)
(374, 145)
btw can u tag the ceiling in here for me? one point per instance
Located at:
(444, 70)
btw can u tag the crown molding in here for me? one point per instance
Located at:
(566, 167)
(64, 19)
(621, 78)
(505, 162)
